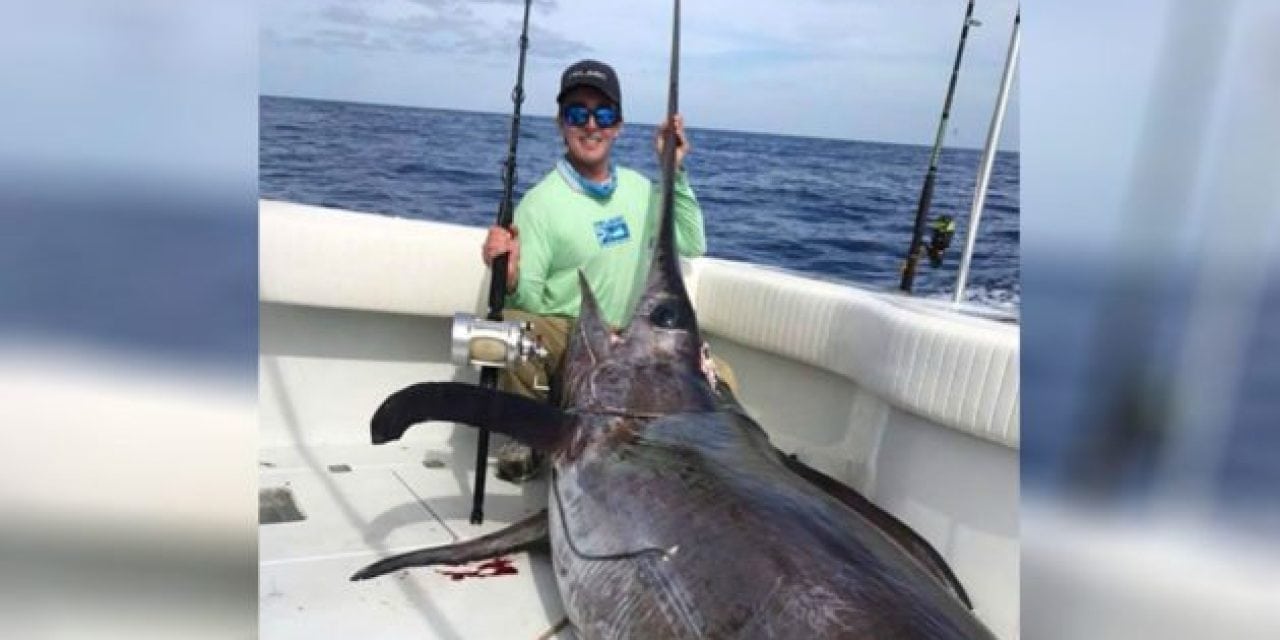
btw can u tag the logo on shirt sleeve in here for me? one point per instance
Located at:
(612, 231)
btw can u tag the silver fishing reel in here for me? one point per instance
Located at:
(492, 343)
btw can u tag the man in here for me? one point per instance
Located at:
(587, 214)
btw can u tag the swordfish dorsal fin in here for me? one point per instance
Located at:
(590, 344)
(536, 424)
(592, 328)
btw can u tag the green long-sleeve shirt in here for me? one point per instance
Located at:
(562, 230)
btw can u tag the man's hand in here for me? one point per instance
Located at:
(682, 143)
(498, 242)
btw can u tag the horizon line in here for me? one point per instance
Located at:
(650, 124)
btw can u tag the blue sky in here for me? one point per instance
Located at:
(870, 69)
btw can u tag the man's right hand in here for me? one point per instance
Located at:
(499, 241)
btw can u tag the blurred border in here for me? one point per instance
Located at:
(128, 319)
(1150, 316)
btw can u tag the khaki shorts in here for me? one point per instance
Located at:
(531, 379)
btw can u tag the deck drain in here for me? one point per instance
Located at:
(276, 505)
(433, 464)
(339, 468)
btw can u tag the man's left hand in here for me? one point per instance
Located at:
(682, 143)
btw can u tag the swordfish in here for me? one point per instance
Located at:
(670, 514)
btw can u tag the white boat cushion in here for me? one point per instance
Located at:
(955, 370)
(331, 258)
(958, 371)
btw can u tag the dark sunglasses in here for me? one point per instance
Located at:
(576, 115)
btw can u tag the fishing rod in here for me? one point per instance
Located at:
(926, 192)
(498, 280)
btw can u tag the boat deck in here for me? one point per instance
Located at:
(916, 408)
(361, 503)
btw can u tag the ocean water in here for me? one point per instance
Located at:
(835, 209)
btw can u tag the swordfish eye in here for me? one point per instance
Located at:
(669, 315)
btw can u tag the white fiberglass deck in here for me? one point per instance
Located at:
(394, 498)
(322, 374)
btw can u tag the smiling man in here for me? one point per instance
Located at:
(586, 214)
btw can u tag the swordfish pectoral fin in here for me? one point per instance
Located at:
(904, 536)
(534, 423)
(530, 533)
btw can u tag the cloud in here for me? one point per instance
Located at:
(334, 39)
(355, 16)
(541, 4)
(881, 57)
(544, 43)
(417, 26)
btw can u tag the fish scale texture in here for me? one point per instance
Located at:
(696, 529)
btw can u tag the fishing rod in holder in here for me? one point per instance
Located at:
(926, 192)
(492, 343)
(987, 163)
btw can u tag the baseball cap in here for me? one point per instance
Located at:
(591, 73)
